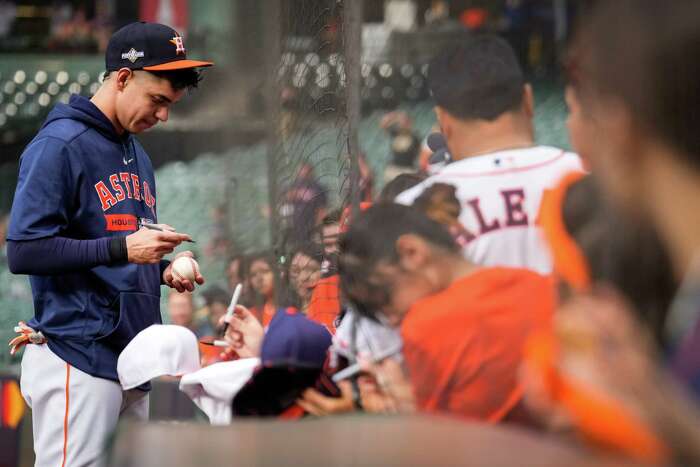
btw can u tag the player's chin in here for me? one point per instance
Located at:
(142, 125)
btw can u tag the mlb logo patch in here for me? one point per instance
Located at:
(132, 55)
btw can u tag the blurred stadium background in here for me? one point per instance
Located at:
(296, 82)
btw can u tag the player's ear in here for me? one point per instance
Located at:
(528, 101)
(413, 252)
(123, 76)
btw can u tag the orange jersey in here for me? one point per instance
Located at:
(464, 346)
(324, 305)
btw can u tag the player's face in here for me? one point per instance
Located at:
(261, 278)
(304, 273)
(144, 101)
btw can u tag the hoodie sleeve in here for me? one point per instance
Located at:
(46, 187)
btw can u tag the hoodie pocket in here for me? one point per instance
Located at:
(136, 311)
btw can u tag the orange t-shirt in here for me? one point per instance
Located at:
(463, 346)
(324, 305)
(266, 314)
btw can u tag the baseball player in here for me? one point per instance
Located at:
(85, 187)
(485, 111)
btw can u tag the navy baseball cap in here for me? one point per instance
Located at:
(150, 47)
(292, 357)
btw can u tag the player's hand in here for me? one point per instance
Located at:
(317, 404)
(146, 246)
(181, 284)
(244, 333)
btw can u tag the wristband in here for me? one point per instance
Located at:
(117, 250)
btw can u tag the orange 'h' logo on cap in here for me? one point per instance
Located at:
(179, 45)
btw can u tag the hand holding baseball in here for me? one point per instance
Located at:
(146, 246)
(183, 273)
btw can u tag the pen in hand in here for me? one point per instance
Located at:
(232, 307)
(160, 229)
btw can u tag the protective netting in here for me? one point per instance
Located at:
(271, 195)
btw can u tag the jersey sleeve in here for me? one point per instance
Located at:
(45, 189)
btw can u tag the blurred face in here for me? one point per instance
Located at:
(304, 273)
(330, 238)
(144, 99)
(404, 288)
(180, 308)
(391, 289)
(582, 129)
(261, 278)
(603, 133)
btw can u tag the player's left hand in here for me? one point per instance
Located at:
(181, 285)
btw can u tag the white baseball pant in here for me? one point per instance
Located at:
(73, 413)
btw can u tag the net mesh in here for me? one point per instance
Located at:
(320, 129)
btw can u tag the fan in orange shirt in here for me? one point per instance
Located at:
(463, 327)
(262, 282)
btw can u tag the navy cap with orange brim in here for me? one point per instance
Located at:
(150, 47)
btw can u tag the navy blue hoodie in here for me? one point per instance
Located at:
(79, 179)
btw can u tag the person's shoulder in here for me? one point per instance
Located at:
(511, 275)
(46, 148)
(517, 288)
(63, 129)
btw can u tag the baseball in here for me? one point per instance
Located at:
(185, 267)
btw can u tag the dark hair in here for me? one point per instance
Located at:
(478, 79)
(265, 256)
(644, 53)
(242, 264)
(188, 78)
(370, 239)
(399, 184)
(311, 249)
(623, 252)
(439, 201)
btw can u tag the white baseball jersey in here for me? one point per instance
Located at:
(500, 194)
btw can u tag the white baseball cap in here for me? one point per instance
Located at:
(360, 337)
(213, 388)
(160, 349)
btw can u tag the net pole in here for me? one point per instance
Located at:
(272, 39)
(352, 38)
